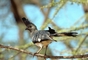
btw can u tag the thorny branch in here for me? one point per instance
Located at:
(40, 55)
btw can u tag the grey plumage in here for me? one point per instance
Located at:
(42, 34)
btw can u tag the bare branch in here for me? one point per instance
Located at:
(40, 55)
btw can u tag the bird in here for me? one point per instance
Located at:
(42, 38)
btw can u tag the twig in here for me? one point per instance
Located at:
(40, 55)
(80, 43)
(24, 48)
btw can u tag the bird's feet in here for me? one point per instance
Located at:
(45, 56)
(35, 54)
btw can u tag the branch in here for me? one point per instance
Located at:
(23, 47)
(40, 55)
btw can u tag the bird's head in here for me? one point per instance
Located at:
(30, 26)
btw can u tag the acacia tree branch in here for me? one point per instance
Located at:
(40, 55)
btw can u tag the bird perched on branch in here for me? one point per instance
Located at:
(42, 38)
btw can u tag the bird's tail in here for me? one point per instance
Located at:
(73, 34)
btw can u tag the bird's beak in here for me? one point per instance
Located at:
(26, 29)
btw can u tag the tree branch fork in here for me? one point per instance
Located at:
(41, 55)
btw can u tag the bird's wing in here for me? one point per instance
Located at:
(41, 36)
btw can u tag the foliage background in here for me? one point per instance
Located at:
(62, 15)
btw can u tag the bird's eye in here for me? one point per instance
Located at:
(30, 26)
